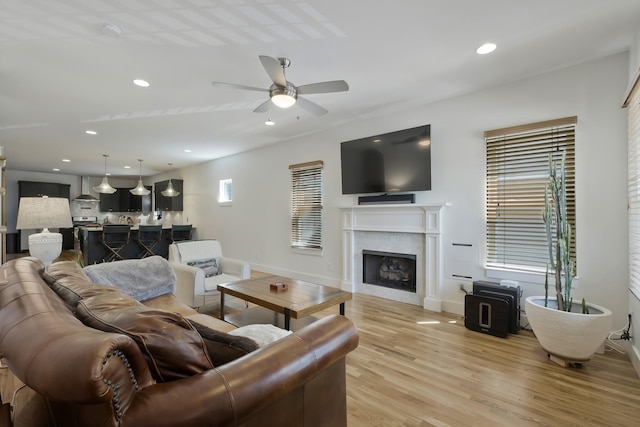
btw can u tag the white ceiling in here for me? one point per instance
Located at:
(60, 74)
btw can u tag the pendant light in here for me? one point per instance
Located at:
(140, 190)
(170, 191)
(104, 187)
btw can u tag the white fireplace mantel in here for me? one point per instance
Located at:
(410, 221)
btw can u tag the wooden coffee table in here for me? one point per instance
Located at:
(298, 300)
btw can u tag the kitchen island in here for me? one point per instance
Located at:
(94, 252)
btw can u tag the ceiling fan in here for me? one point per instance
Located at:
(283, 93)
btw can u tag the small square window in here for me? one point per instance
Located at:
(225, 195)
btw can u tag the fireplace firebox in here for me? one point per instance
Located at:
(389, 269)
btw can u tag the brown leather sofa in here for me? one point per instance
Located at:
(82, 376)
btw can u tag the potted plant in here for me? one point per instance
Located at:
(570, 332)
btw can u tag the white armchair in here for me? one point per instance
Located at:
(192, 283)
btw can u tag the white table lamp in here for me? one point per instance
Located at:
(44, 212)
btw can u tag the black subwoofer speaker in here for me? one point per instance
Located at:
(487, 314)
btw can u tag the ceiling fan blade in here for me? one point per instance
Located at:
(235, 86)
(262, 107)
(324, 87)
(274, 69)
(312, 107)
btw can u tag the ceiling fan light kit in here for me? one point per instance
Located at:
(283, 97)
(285, 94)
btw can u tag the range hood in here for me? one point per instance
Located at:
(85, 187)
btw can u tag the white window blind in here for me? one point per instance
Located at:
(306, 205)
(633, 103)
(516, 176)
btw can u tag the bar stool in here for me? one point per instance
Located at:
(148, 237)
(114, 239)
(180, 232)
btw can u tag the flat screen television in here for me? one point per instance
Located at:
(397, 161)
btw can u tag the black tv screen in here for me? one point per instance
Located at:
(390, 162)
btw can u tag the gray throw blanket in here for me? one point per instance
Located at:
(141, 279)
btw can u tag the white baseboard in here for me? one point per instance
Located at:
(634, 356)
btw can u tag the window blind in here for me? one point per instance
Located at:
(516, 176)
(306, 205)
(634, 190)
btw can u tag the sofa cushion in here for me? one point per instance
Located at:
(140, 278)
(68, 280)
(171, 345)
(209, 267)
(224, 347)
(262, 334)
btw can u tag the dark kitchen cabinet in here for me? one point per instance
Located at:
(110, 202)
(168, 203)
(39, 189)
(123, 201)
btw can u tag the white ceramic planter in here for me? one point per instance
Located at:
(568, 337)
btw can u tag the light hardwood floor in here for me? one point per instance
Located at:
(419, 368)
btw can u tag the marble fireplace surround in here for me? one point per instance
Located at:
(408, 228)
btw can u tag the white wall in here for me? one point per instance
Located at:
(256, 226)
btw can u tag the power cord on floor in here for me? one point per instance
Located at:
(625, 335)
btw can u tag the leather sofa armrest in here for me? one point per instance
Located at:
(78, 364)
(235, 267)
(232, 393)
(189, 283)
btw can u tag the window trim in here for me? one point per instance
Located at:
(516, 172)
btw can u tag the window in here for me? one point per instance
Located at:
(633, 103)
(225, 194)
(517, 171)
(306, 205)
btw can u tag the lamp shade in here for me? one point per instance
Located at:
(140, 189)
(104, 187)
(43, 212)
(170, 191)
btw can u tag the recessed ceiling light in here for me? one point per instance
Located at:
(269, 122)
(127, 167)
(66, 160)
(141, 83)
(56, 170)
(187, 151)
(486, 48)
(90, 132)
